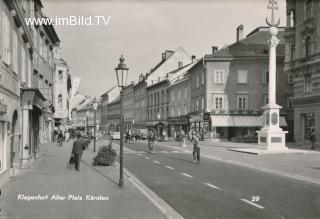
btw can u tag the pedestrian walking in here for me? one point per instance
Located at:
(151, 139)
(66, 136)
(60, 138)
(196, 147)
(77, 151)
(312, 139)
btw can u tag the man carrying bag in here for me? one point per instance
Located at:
(77, 150)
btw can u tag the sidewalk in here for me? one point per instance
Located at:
(303, 166)
(50, 176)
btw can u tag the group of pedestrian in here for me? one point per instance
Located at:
(130, 136)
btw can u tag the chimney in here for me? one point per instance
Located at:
(168, 53)
(163, 56)
(239, 33)
(214, 49)
(180, 64)
(193, 58)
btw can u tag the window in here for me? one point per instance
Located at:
(6, 38)
(242, 76)
(179, 112)
(197, 108)
(290, 79)
(23, 64)
(307, 83)
(185, 110)
(308, 45)
(179, 94)
(172, 96)
(60, 75)
(265, 99)
(291, 17)
(308, 9)
(293, 50)
(172, 111)
(290, 102)
(242, 102)
(197, 81)
(185, 93)
(202, 78)
(218, 103)
(265, 77)
(15, 52)
(219, 76)
(60, 101)
(202, 103)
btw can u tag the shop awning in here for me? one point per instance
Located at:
(155, 123)
(196, 118)
(241, 121)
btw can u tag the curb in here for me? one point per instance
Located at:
(163, 206)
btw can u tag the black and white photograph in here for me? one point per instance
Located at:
(159, 109)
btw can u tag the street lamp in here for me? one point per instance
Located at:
(87, 115)
(122, 74)
(95, 106)
(158, 125)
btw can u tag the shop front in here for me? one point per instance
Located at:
(33, 127)
(238, 128)
(160, 128)
(176, 124)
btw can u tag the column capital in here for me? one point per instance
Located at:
(274, 41)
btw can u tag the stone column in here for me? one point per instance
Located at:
(271, 135)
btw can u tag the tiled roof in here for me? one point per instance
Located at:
(255, 44)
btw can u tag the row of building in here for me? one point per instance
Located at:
(34, 85)
(222, 94)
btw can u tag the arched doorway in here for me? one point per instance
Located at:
(14, 141)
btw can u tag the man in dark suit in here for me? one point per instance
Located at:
(77, 150)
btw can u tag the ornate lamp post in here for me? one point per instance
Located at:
(94, 106)
(271, 135)
(87, 115)
(158, 116)
(122, 74)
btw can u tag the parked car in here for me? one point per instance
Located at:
(115, 135)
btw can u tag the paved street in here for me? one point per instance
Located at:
(50, 176)
(215, 189)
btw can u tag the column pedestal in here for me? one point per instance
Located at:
(271, 135)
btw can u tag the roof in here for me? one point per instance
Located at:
(255, 44)
(174, 75)
(108, 91)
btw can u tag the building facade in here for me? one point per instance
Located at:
(26, 67)
(128, 106)
(179, 104)
(113, 119)
(229, 88)
(144, 113)
(61, 93)
(107, 98)
(302, 65)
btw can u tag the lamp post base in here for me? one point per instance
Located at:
(121, 183)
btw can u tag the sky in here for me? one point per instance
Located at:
(142, 29)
